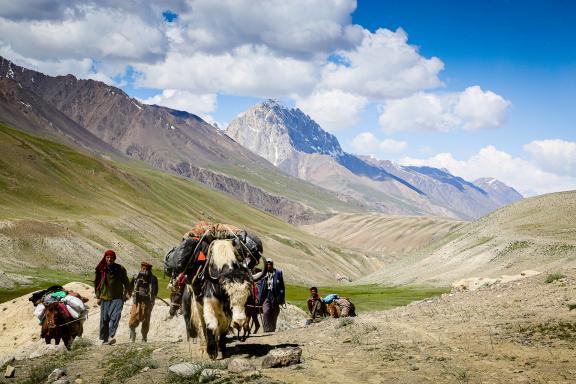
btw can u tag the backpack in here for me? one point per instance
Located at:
(142, 287)
(178, 257)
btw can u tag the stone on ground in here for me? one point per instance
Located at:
(238, 365)
(48, 349)
(9, 371)
(56, 374)
(282, 357)
(185, 370)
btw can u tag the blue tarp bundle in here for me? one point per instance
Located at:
(330, 298)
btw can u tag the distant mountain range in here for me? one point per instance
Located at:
(295, 143)
(104, 120)
(272, 157)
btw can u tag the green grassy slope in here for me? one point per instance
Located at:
(367, 298)
(59, 209)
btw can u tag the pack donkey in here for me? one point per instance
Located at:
(56, 325)
(219, 304)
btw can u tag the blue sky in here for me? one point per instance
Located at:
(523, 50)
(481, 88)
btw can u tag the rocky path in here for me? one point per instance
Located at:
(517, 332)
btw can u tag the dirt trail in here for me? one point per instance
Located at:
(517, 332)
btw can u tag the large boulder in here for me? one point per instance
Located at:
(282, 357)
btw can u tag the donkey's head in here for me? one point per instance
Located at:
(51, 320)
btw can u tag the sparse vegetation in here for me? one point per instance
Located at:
(124, 363)
(361, 333)
(554, 276)
(344, 322)
(481, 241)
(80, 344)
(461, 374)
(562, 330)
(560, 248)
(292, 243)
(516, 245)
(39, 373)
(32, 229)
(443, 241)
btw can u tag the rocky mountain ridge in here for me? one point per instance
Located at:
(296, 144)
(105, 120)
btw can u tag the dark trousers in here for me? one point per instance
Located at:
(270, 312)
(110, 313)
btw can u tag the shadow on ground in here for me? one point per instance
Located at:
(255, 350)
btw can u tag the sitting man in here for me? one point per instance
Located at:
(316, 306)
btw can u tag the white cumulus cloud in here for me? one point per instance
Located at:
(96, 32)
(247, 70)
(307, 50)
(471, 109)
(333, 109)
(525, 176)
(184, 101)
(384, 65)
(558, 156)
(289, 28)
(366, 143)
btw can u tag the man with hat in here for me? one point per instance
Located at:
(144, 293)
(271, 294)
(112, 289)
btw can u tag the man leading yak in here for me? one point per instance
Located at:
(271, 295)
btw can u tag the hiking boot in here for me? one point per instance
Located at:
(112, 341)
(132, 334)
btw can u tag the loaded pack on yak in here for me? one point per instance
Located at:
(184, 262)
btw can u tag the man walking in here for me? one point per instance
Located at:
(145, 290)
(271, 294)
(112, 289)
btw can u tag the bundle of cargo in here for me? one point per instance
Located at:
(191, 252)
(70, 303)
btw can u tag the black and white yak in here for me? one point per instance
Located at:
(220, 303)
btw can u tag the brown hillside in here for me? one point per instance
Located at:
(538, 233)
(388, 236)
